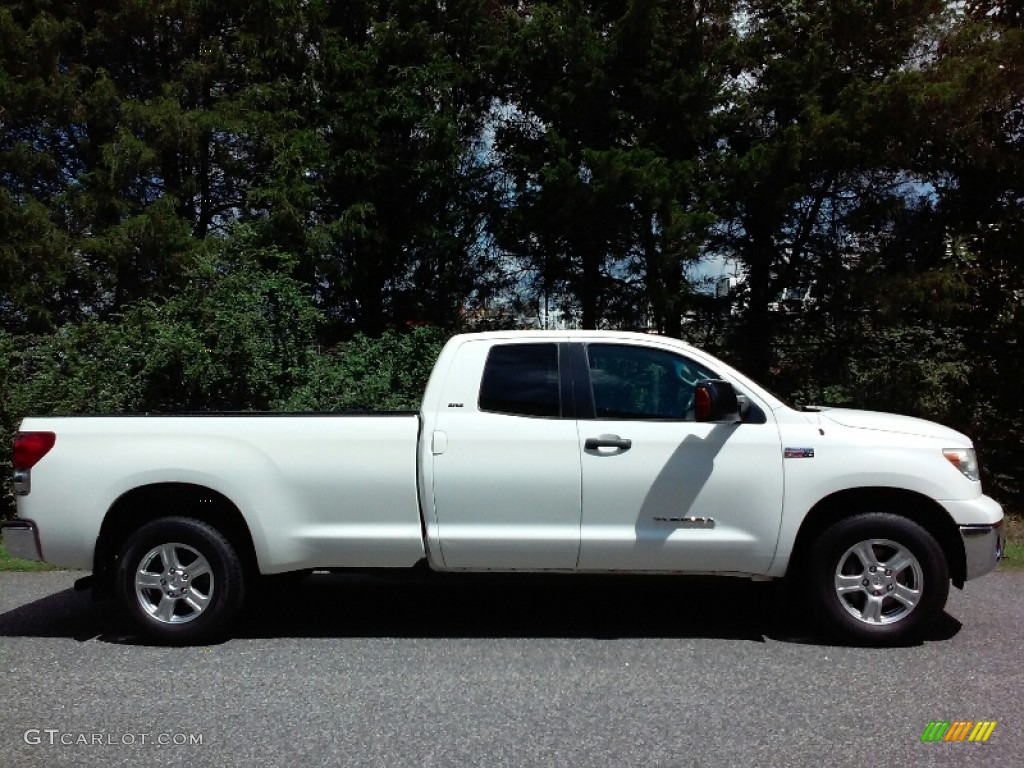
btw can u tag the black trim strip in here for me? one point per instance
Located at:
(581, 381)
(566, 390)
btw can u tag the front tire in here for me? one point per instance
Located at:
(180, 580)
(877, 579)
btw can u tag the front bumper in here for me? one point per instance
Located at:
(21, 539)
(983, 547)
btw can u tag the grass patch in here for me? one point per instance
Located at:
(8, 563)
(1013, 558)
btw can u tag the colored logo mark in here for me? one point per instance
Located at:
(958, 730)
(798, 453)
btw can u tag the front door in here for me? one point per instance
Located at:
(662, 492)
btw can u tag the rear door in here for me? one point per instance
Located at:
(506, 463)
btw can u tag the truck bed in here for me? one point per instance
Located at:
(317, 490)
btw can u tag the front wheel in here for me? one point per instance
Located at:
(180, 580)
(878, 578)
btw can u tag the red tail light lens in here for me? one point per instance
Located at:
(30, 447)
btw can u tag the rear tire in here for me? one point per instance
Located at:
(180, 580)
(877, 579)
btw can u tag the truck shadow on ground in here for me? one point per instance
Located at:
(349, 605)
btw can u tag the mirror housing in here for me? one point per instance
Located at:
(716, 400)
(744, 402)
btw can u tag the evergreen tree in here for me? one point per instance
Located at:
(806, 141)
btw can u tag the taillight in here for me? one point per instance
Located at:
(30, 447)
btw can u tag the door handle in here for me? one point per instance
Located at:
(608, 441)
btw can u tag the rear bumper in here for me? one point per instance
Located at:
(21, 539)
(983, 547)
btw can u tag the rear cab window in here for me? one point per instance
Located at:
(522, 380)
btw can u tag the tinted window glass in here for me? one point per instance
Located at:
(521, 379)
(642, 383)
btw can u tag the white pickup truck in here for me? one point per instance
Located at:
(534, 451)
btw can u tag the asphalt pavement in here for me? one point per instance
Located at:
(351, 670)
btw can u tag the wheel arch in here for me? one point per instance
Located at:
(144, 504)
(914, 506)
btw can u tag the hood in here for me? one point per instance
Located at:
(891, 422)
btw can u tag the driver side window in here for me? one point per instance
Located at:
(642, 383)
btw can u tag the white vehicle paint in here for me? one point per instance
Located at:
(533, 451)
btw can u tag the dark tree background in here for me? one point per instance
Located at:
(291, 203)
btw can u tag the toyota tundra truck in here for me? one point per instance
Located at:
(533, 451)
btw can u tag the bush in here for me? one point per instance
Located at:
(388, 373)
(240, 336)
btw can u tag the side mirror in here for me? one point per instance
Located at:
(744, 402)
(715, 400)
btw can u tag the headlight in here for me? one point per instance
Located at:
(964, 459)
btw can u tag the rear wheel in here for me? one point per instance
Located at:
(180, 580)
(877, 579)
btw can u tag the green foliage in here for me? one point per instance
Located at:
(919, 370)
(235, 337)
(1013, 557)
(386, 373)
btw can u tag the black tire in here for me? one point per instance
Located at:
(887, 605)
(158, 595)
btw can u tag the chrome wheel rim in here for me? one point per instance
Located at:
(879, 581)
(174, 583)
